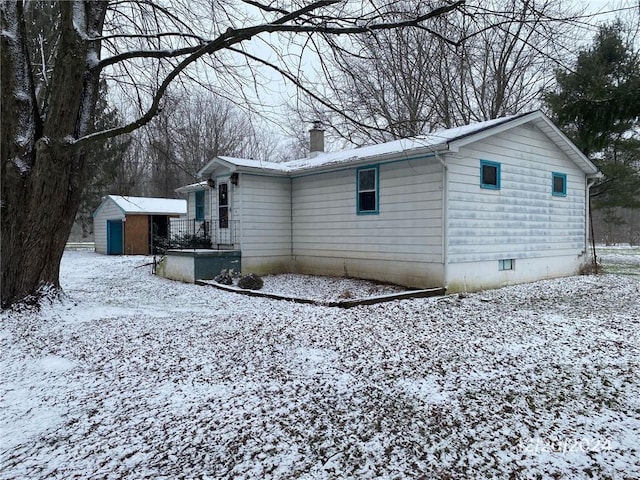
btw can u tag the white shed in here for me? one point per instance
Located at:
(484, 205)
(132, 225)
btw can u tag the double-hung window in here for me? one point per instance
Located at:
(489, 175)
(558, 184)
(367, 190)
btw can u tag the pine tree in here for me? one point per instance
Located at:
(104, 163)
(597, 105)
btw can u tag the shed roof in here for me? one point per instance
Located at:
(148, 205)
(437, 142)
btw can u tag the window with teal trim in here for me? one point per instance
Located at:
(200, 205)
(489, 175)
(367, 188)
(559, 184)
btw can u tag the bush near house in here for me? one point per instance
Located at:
(224, 278)
(250, 281)
(189, 240)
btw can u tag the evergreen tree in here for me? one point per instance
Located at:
(104, 163)
(597, 105)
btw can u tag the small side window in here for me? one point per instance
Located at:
(506, 264)
(489, 175)
(559, 184)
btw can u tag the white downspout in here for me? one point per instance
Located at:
(445, 223)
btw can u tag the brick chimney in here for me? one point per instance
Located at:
(316, 139)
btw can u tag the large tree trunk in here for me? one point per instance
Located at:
(42, 171)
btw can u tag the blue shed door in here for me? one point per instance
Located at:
(114, 237)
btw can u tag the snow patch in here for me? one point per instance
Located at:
(79, 20)
(51, 363)
(138, 376)
(23, 167)
(427, 388)
(10, 34)
(92, 58)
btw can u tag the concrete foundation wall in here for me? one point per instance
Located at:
(406, 273)
(475, 276)
(266, 265)
(191, 265)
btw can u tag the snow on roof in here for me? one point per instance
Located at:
(192, 187)
(150, 206)
(405, 145)
(439, 141)
(245, 162)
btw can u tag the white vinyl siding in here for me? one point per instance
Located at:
(522, 219)
(407, 227)
(108, 211)
(266, 216)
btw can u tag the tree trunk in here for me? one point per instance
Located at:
(42, 171)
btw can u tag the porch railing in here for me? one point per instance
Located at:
(201, 234)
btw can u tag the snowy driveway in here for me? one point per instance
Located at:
(141, 377)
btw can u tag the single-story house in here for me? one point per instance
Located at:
(484, 205)
(133, 225)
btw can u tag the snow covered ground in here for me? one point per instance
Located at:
(136, 376)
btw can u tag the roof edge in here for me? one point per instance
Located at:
(548, 128)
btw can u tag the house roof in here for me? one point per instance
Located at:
(442, 141)
(192, 187)
(147, 205)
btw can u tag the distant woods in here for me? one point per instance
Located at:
(167, 153)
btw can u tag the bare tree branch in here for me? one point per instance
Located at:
(235, 36)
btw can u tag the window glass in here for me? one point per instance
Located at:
(367, 201)
(367, 179)
(506, 264)
(559, 187)
(489, 174)
(223, 205)
(368, 190)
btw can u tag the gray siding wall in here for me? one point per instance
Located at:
(397, 243)
(108, 211)
(265, 224)
(522, 219)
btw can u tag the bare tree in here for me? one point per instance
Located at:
(192, 129)
(46, 120)
(407, 81)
